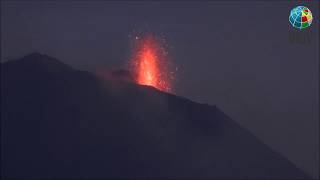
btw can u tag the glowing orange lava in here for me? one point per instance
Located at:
(148, 69)
(150, 64)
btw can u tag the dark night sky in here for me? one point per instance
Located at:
(236, 55)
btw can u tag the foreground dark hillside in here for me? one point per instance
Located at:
(60, 122)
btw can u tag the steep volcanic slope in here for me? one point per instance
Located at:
(60, 122)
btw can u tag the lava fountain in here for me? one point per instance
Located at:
(150, 63)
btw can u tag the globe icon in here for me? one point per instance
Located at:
(300, 17)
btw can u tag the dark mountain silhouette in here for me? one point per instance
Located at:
(60, 122)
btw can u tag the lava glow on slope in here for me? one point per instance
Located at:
(150, 63)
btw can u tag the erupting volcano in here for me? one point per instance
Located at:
(150, 63)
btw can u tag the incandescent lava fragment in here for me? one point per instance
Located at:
(150, 64)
